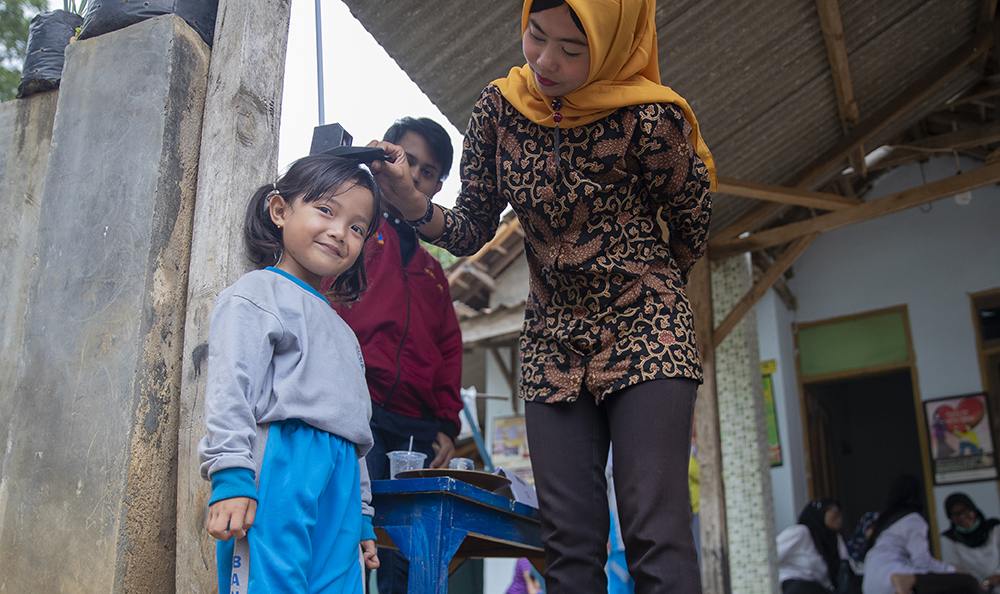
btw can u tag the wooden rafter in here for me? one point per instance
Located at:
(771, 275)
(836, 50)
(878, 207)
(761, 262)
(754, 217)
(930, 81)
(940, 73)
(781, 194)
(960, 139)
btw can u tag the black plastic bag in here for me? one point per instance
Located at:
(48, 35)
(105, 16)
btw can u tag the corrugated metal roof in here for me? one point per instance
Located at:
(756, 72)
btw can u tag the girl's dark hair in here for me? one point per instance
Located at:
(540, 5)
(310, 179)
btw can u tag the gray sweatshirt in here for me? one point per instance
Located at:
(278, 351)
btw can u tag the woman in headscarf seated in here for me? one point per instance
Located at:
(899, 559)
(810, 552)
(972, 542)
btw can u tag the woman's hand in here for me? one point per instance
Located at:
(396, 182)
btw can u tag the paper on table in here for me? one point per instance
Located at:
(522, 490)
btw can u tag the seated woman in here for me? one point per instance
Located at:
(972, 542)
(810, 552)
(857, 548)
(899, 559)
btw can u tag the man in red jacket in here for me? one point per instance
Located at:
(409, 333)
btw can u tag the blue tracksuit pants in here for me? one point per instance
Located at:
(306, 532)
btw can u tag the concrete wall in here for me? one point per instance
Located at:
(89, 476)
(930, 259)
(26, 130)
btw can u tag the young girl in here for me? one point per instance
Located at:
(899, 557)
(287, 405)
(610, 180)
(810, 552)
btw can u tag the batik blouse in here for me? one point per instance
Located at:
(611, 232)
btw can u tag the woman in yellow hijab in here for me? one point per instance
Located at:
(610, 180)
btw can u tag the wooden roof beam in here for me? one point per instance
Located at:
(963, 138)
(836, 50)
(771, 276)
(938, 74)
(970, 180)
(930, 81)
(820, 200)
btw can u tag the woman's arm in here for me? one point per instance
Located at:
(858, 567)
(474, 220)
(790, 540)
(915, 532)
(677, 180)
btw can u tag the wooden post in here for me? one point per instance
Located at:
(712, 505)
(239, 150)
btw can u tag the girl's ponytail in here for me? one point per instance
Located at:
(262, 236)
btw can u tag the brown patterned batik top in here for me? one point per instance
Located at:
(606, 306)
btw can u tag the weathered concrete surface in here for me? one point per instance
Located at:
(25, 133)
(89, 474)
(239, 152)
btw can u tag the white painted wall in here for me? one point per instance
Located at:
(930, 259)
(774, 335)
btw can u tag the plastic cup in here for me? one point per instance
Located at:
(461, 464)
(402, 461)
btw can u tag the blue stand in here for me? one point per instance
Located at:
(439, 522)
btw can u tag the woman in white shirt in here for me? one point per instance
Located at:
(899, 558)
(810, 552)
(972, 542)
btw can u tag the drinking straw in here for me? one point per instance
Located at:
(411, 444)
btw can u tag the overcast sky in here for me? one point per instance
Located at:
(364, 95)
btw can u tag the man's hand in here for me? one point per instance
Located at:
(369, 554)
(231, 518)
(446, 451)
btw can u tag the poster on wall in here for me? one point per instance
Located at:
(510, 446)
(768, 368)
(960, 439)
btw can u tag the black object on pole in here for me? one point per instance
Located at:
(328, 137)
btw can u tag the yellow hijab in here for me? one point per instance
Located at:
(624, 70)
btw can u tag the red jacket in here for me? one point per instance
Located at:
(409, 333)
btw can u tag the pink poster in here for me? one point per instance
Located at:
(960, 439)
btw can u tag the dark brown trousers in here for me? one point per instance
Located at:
(650, 425)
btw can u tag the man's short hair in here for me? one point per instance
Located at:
(432, 132)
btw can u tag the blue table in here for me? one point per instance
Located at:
(439, 522)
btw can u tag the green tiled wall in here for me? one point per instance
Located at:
(745, 462)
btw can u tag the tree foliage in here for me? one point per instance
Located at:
(14, 18)
(443, 256)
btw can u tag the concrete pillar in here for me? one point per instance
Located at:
(239, 152)
(745, 461)
(712, 501)
(89, 476)
(25, 133)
